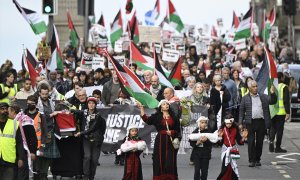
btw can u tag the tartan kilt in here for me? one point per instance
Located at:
(51, 150)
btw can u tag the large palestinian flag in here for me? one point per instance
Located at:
(73, 34)
(116, 29)
(56, 58)
(244, 29)
(175, 20)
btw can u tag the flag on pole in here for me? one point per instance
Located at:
(132, 84)
(235, 21)
(244, 28)
(116, 29)
(272, 16)
(133, 29)
(175, 75)
(160, 72)
(175, 20)
(267, 77)
(35, 21)
(73, 33)
(152, 15)
(129, 6)
(101, 20)
(31, 67)
(55, 62)
(142, 60)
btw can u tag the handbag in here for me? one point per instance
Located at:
(175, 141)
(234, 151)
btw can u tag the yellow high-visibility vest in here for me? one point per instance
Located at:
(244, 91)
(8, 141)
(281, 110)
(13, 91)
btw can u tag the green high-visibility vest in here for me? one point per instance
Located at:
(13, 91)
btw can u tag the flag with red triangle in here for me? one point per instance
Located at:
(101, 20)
(133, 29)
(31, 67)
(272, 16)
(175, 75)
(116, 29)
(175, 20)
(160, 72)
(142, 60)
(132, 84)
(73, 33)
(55, 62)
(129, 6)
(235, 21)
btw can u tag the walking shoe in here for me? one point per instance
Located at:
(258, 163)
(279, 150)
(251, 164)
(271, 147)
(191, 163)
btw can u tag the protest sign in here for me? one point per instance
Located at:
(120, 59)
(98, 62)
(89, 91)
(149, 34)
(170, 55)
(230, 58)
(240, 44)
(118, 46)
(157, 47)
(201, 48)
(177, 40)
(86, 62)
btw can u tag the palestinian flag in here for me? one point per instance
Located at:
(267, 77)
(56, 58)
(142, 60)
(165, 20)
(175, 20)
(156, 9)
(129, 6)
(73, 34)
(116, 29)
(31, 67)
(101, 20)
(175, 75)
(244, 28)
(133, 29)
(272, 16)
(132, 84)
(160, 72)
(36, 23)
(235, 21)
(24, 64)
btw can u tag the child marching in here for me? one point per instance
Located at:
(229, 132)
(132, 147)
(201, 140)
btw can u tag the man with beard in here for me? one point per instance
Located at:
(157, 90)
(26, 126)
(92, 127)
(48, 149)
(11, 144)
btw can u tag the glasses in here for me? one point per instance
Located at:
(3, 108)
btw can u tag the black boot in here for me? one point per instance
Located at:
(280, 150)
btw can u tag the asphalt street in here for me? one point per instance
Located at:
(274, 165)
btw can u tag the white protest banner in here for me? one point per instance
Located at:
(170, 55)
(86, 62)
(177, 40)
(183, 93)
(157, 47)
(89, 91)
(118, 46)
(149, 34)
(240, 44)
(102, 43)
(98, 62)
(120, 59)
(97, 34)
(201, 48)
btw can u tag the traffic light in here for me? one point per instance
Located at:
(289, 7)
(48, 7)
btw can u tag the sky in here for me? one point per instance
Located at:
(15, 32)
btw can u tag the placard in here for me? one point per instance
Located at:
(86, 62)
(98, 62)
(118, 46)
(177, 40)
(120, 59)
(240, 44)
(230, 58)
(170, 55)
(149, 34)
(201, 48)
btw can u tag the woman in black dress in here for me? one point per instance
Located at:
(164, 154)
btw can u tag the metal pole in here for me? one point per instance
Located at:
(50, 27)
(289, 29)
(86, 22)
(293, 38)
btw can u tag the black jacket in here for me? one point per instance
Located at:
(97, 125)
(201, 152)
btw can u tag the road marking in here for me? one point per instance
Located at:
(286, 159)
(287, 176)
(282, 171)
(278, 167)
